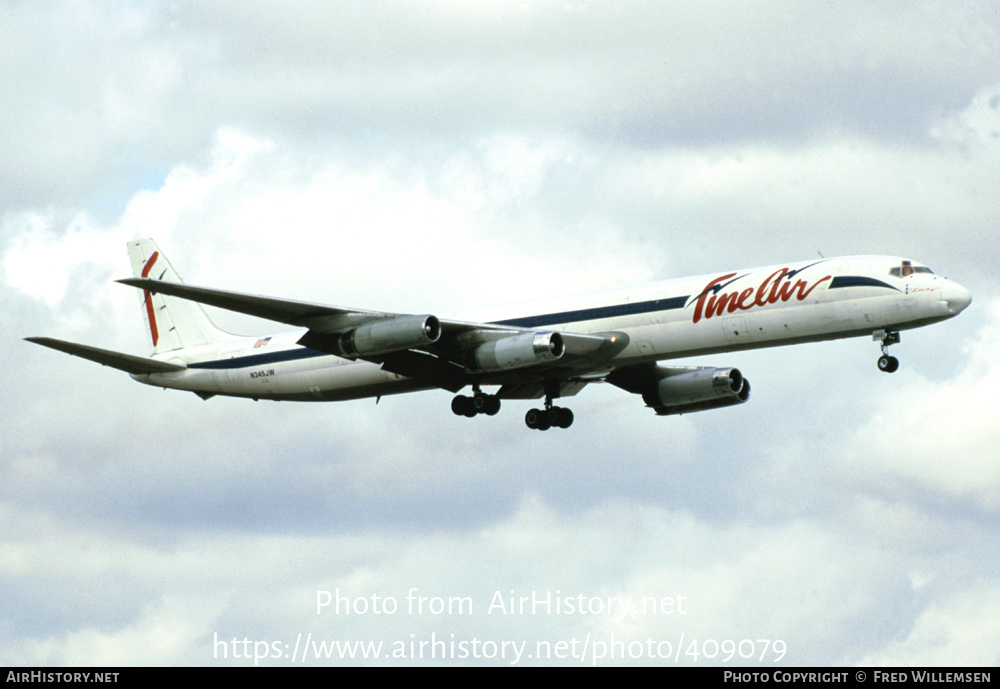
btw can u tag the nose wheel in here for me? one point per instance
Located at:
(886, 363)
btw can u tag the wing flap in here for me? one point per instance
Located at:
(536, 389)
(123, 362)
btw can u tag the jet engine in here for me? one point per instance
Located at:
(517, 351)
(697, 390)
(390, 335)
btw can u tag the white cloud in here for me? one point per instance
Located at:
(709, 582)
(128, 90)
(942, 435)
(960, 630)
(165, 634)
(977, 127)
(41, 261)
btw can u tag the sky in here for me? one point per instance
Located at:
(429, 157)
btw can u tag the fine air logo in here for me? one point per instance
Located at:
(267, 373)
(778, 286)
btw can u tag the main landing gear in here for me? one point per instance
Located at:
(550, 417)
(537, 419)
(479, 403)
(886, 363)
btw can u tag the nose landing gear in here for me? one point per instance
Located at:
(886, 363)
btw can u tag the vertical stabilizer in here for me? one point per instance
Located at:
(173, 323)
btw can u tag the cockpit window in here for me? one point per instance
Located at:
(907, 269)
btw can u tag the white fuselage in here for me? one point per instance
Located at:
(727, 311)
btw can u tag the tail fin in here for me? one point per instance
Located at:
(173, 323)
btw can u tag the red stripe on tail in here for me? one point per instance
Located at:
(149, 299)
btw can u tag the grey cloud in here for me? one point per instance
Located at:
(420, 155)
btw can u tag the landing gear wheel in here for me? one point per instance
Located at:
(463, 406)
(537, 419)
(478, 404)
(560, 417)
(491, 405)
(550, 417)
(565, 418)
(888, 364)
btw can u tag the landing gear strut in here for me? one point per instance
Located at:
(479, 403)
(551, 416)
(886, 363)
(538, 419)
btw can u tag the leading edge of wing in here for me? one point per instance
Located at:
(129, 363)
(319, 318)
(316, 317)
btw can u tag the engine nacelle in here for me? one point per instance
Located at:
(391, 335)
(698, 390)
(517, 351)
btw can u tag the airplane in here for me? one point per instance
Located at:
(547, 350)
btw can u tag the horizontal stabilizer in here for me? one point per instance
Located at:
(123, 362)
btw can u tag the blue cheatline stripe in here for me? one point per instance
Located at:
(597, 313)
(260, 359)
(858, 281)
(525, 322)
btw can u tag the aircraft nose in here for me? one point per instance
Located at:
(956, 297)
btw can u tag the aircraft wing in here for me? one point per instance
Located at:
(123, 362)
(416, 346)
(320, 319)
(316, 317)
